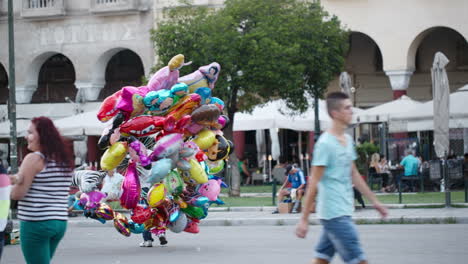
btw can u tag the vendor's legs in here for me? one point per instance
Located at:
(297, 202)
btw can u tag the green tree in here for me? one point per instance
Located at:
(267, 49)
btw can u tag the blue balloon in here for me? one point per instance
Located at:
(160, 169)
(136, 228)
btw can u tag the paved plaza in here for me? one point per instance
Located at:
(257, 244)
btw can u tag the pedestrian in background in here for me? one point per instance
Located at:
(333, 176)
(5, 188)
(43, 179)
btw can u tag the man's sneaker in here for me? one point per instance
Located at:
(294, 211)
(146, 244)
(275, 211)
(162, 240)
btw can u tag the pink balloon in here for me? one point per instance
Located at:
(131, 101)
(130, 188)
(91, 199)
(211, 189)
(163, 79)
(139, 153)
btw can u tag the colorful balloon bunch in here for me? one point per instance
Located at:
(185, 122)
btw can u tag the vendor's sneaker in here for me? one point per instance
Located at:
(162, 241)
(146, 244)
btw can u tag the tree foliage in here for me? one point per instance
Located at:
(266, 49)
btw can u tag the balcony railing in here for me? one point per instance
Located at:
(42, 8)
(117, 6)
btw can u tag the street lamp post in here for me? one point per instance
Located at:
(12, 91)
(317, 121)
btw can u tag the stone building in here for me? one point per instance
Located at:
(82, 51)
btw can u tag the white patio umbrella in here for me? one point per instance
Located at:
(276, 114)
(81, 124)
(381, 113)
(421, 118)
(21, 128)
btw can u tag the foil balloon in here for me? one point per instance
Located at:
(141, 214)
(130, 188)
(185, 107)
(140, 152)
(205, 139)
(135, 228)
(218, 102)
(194, 212)
(196, 174)
(105, 212)
(131, 101)
(87, 180)
(192, 226)
(92, 199)
(108, 108)
(215, 167)
(114, 156)
(221, 149)
(174, 184)
(160, 102)
(156, 195)
(121, 224)
(178, 225)
(167, 76)
(205, 76)
(167, 145)
(206, 115)
(159, 170)
(142, 126)
(211, 189)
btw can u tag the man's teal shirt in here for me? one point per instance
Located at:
(335, 196)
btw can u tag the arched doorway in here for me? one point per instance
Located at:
(124, 68)
(4, 92)
(365, 65)
(56, 81)
(453, 45)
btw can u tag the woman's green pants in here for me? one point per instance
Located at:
(40, 239)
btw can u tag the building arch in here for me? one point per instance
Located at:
(421, 56)
(432, 32)
(364, 54)
(4, 91)
(55, 78)
(364, 63)
(116, 68)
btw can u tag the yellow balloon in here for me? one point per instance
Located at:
(197, 173)
(156, 195)
(205, 139)
(114, 155)
(176, 62)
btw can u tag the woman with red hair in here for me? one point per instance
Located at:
(41, 188)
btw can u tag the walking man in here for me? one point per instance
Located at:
(333, 176)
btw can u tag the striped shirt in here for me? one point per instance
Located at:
(47, 199)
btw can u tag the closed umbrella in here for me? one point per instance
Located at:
(345, 83)
(440, 90)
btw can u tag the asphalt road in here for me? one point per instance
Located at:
(255, 244)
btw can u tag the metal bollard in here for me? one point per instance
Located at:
(273, 195)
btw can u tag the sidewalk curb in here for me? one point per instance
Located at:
(358, 220)
(274, 221)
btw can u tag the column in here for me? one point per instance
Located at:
(399, 81)
(88, 91)
(24, 93)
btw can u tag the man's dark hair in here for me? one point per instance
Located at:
(334, 101)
